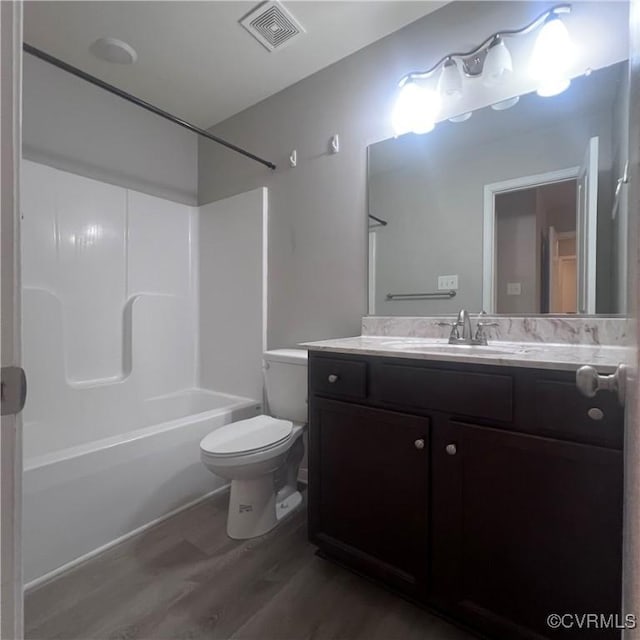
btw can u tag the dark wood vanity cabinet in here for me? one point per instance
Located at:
(371, 474)
(486, 493)
(524, 526)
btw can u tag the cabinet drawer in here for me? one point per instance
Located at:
(335, 377)
(558, 409)
(482, 395)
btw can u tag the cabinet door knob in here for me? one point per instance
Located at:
(419, 444)
(451, 449)
(589, 382)
(595, 413)
(332, 378)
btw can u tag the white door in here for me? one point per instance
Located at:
(11, 625)
(587, 228)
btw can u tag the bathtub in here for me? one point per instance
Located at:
(81, 497)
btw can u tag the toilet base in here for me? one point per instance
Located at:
(254, 508)
(288, 505)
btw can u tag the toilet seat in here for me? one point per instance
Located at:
(246, 436)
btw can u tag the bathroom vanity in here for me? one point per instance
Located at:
(485, 487)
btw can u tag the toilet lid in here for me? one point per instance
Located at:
(246, 435)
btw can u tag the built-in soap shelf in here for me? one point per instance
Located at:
(156, 357)
(43, 306)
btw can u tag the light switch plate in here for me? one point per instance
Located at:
(514, 288)
(448, 283)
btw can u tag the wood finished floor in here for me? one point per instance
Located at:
(184, 579)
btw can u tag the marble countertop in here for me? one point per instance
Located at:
(534, 355)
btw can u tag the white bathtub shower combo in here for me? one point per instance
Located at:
(111, 331)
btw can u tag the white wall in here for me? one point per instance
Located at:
(318, 237)
(516, 252)
(233, 287)
(109, 304)
(72, 125)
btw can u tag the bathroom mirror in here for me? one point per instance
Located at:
(517, 209)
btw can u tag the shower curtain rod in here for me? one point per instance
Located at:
(56, 62)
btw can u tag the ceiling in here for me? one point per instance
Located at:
(195, 60)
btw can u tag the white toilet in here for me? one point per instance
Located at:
(261, 455)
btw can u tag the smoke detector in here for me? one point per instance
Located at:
(113, 50)
(272, 25)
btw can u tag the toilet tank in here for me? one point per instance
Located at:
(285, 375)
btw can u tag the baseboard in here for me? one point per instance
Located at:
(56, 573)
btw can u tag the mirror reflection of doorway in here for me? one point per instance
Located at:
(536, 249)
(562, 268)
(519, 272)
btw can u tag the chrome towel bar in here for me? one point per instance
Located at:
(434, 295)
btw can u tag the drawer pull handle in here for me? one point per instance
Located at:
(451, 449)
(419, 444)
(595, 414)
(333, 378)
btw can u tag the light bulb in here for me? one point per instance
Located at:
(463, 117)
(503, 105)
(415, 110)
(450, 81)
(552, 58)
(497, 63)
(553, 87)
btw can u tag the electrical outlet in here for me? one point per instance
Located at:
(514, 288)
(447, 283)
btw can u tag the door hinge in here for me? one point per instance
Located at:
(13, 390)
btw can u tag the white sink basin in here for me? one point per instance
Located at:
(439, 347)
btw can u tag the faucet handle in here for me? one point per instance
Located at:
(480, 336)
(452, 325)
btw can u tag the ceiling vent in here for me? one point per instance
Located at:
(272, 25)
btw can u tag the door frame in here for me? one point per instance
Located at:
(489, 223)
(587, 228)
(11, 592)
(631, 529)
(371, 282)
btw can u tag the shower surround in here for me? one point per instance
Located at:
(110, 332)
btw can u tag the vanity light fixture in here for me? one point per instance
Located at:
(552, 57)
(417, 105)
(416, 109)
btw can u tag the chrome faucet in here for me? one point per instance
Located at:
(463, 321)
(467, 336)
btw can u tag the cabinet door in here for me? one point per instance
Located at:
(524, 527)
(368, 490)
